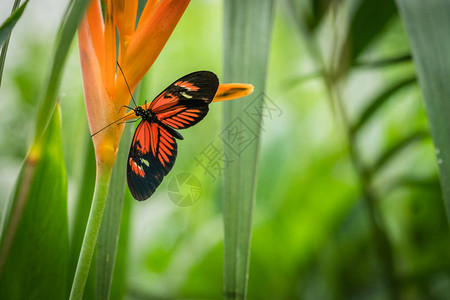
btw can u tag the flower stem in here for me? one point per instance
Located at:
(92, 229)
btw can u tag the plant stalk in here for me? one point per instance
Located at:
(90, 237)
(380, 237)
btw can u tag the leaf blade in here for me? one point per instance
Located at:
(32, 270)
(248, 26)
(7, 26)
(430, 55)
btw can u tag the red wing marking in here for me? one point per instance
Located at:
(181, 117)
(163, 99)
(187, 85)
(164, 144)
(152, 136)
(142, 138)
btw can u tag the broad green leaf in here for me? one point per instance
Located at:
(35, 246)
(379, 101)
(5, 32)
(248, 27)
(428, 28)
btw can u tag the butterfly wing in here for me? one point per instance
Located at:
(185, 102)
(152, 154)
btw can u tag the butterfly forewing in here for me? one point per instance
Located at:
(185, 102)
(152, 154)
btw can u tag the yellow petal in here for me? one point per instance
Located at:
(229, 91)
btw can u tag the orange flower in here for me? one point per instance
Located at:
(105, 89)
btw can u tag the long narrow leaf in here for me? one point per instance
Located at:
(428, 28)
(248, 26)
(8, 25)
(119, 282)
(34, 255)
(68, 27)
(5, 32)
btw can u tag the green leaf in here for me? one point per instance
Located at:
(7, 26)
(368, 22)
(379, 101)
(248, 27)
(385, 62)
(428, 28)
(430, 183)
(67, 30)
(119, 282)
(396, 148)
(110, 229)
(5, 32)
(319, 9)
(35, 244)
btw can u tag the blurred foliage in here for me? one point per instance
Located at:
(33, 233)
(315, 234)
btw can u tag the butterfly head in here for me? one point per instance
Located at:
(145, 114)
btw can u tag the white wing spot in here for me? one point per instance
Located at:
(186, 95)
(145, 162)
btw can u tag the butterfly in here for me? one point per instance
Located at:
(154, 148)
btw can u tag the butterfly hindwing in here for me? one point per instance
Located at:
(185, 102)
(152, 155)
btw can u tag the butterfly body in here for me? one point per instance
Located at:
(154, 149)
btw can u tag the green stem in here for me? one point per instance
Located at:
(92, 229)
(380, 236)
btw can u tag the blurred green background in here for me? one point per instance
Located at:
(313, 235)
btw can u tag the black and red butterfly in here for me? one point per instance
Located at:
(154, 148)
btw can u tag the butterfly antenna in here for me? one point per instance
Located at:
(121, 71)
(109, 125)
